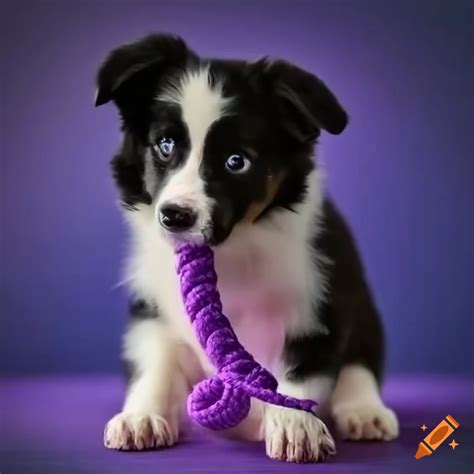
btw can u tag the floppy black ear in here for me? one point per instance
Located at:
(306, 101)
(130, 74)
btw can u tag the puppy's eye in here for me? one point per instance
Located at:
(164, 148)
(237, 164)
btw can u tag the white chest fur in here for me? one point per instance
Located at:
(267, 277)
(265, 281)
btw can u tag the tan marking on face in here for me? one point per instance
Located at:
(256, 208)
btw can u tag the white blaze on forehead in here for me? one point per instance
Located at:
(201, 104)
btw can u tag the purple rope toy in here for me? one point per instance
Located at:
(223, 401)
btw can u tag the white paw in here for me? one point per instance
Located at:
(366, 420)
(296, 436)
(130, 431)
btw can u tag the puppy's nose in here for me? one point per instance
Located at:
(175, 218)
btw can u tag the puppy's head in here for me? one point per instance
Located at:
(212, 143)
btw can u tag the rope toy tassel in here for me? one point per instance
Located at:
(223, 401)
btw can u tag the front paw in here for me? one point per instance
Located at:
(296, 436)
(134, 432)
(366, 420)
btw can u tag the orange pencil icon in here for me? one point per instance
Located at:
(436, 437)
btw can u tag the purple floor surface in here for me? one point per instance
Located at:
(54, 425)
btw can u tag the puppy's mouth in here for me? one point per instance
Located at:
(203, 236)
(208, 235)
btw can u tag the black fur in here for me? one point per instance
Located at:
(355, 334)
(140, 309)
(127, 169)
(131, 74)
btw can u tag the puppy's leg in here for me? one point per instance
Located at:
(358, 409)
(297, 436)
(156, 395)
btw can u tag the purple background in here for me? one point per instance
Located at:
(402, 172)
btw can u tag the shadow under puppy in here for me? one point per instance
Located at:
(222, 152)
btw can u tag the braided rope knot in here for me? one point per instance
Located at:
(218, 404)
(222, 401)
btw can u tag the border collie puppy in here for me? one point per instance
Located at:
(222, 152)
